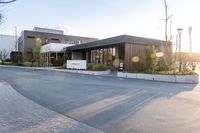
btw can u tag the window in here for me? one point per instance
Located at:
(67, 41)
(31, 37)
(54, 39)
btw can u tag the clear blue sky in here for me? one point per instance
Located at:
(103, 18)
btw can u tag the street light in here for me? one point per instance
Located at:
(179, 30)
(190, 35)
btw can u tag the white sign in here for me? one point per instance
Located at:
(77, 64)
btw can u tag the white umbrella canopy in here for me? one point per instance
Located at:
(54, 47)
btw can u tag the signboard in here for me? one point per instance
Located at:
(77, 64)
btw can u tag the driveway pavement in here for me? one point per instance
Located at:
(19, 114)
(115, 105)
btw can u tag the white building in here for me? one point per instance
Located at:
(7, 44)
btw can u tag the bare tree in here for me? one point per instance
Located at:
(3, 55)
(4, 2)
(0, 56)
(1, 18)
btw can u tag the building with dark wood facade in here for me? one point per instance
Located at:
(122, 49)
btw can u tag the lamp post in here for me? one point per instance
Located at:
(179, 30)
(190, 35)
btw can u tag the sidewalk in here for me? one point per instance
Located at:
(21, 115)
(100, 73)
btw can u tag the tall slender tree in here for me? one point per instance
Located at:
(36, 52)
(151, 60)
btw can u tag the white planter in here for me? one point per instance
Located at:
(140, 76)
(164, 78)
(187, 78)
(89, 72)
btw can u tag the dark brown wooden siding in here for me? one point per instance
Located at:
(132, 50)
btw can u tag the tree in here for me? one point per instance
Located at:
(167, 59)
(3, 55)
(36, 52)
(1, 17)
(6, 2)
(151, 59)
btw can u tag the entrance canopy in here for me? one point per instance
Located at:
(54, 47)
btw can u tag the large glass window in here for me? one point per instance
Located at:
(97, 56)
(103, 56)
(109, 56)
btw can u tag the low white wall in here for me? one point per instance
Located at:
(165, 78)
(89, 72)
(76, 64)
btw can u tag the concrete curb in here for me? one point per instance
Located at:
(194, 79)
(89, 72)
(62, 70)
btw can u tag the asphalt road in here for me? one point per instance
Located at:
(115, 105)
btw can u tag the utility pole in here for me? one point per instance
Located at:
(16, 46)
(16, 41)
(166, 20)
(165, 49)
(170, 37)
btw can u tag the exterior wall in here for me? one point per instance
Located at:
(123, 54)
(132, 50)
(27, 41)
(88, 56)
(7, 44)
(77, 55)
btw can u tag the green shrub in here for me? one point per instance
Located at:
(151, 61)
(7, 63)
(165, 72)
(90, 66)
(58, 62)
(28, 64)
(97, 67)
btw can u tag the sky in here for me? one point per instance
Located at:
(105, 18)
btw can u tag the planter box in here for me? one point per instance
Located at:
(89, 72)
(187, 79)
(165, 78)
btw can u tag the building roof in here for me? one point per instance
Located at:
(117, 40)
(54, 47)
(46, 30)
(53, 34)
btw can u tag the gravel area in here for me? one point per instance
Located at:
(21, 115)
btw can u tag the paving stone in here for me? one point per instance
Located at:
(21, 115)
